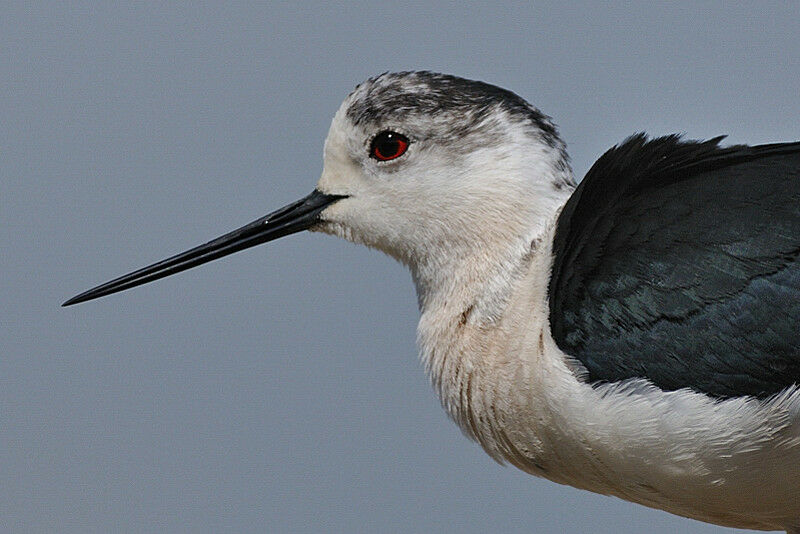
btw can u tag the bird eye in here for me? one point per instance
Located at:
(388, 145)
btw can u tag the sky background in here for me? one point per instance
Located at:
(279, 389)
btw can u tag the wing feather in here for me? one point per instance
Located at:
(677, 261)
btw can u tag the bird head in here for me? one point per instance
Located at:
(422, 166)
(428, 164)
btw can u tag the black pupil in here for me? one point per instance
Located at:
(387, 144)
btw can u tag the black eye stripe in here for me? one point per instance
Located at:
(388, 145)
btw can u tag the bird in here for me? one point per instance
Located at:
(635, 333)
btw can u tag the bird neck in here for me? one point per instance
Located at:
(470, 300)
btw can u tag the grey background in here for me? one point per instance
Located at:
(278, 389)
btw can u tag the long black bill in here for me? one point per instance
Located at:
(297, 216)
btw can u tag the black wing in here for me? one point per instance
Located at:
(677, 261)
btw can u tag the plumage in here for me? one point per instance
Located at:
(677, 262)
(630, 336)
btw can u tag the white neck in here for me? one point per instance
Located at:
(469, 296)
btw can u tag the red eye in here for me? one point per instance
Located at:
(388, 145)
